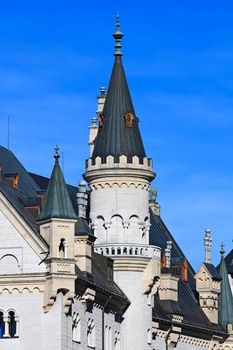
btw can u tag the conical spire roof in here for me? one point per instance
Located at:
(57, 200)
(118, 132)
(225, 297)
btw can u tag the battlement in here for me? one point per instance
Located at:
(120, 162)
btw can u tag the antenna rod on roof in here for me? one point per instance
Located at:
(8, 132)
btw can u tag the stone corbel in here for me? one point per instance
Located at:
(215, 343)
(94, 228)
(172, 337)
(88, 295)
(67, 300)
(49, 300)
(125, 224)
(107, 225)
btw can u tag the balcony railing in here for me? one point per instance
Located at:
(140, 250)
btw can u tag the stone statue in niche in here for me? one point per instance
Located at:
(153, 195)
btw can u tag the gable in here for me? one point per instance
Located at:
(20, 248)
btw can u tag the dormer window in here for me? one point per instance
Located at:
(129, 119)
(101, 120)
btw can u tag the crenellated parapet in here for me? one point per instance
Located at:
(122, 161)
(109, 172)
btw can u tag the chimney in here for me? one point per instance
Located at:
(93, 128)
(84, 238)
(167, 253)
(101, 100)
(82, 197)
(208, 246)
(168, 289)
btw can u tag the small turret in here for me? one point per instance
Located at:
(57, 221)
(119, 175)
(84, 238)
(208, 282)
(93, 128)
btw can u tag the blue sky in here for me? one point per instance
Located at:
(178, 57)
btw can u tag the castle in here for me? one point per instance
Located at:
(95, 267)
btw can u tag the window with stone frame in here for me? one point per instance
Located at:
(76, 328)
(9, 324)
(117, 344)
(91, 341)
(62, 248)
(108, 338)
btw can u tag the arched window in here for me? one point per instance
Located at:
(2, 324)
(91, 333)
(76, 331)
(108, 338)
(62, 248)
(9, 324)
(116, 231)
(117, 340)
(9, 264)
(12, 324)
(149, 336)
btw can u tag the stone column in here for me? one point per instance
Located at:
(16, 327)
(7, 328)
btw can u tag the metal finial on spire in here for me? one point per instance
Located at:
(117, 21)
(118, 36)
(222, 251)
(56, 155)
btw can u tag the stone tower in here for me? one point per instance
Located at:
(119, 175)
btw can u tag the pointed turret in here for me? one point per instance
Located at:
(57, 201)
(225, 298)
(57, 226)
(119, 175)
(118, 132)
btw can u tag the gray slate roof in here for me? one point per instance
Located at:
(82, 228)
(115, 138)
(159, 235)
(225, 297)
(11, 164)
(229, 262)
(187, 305)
